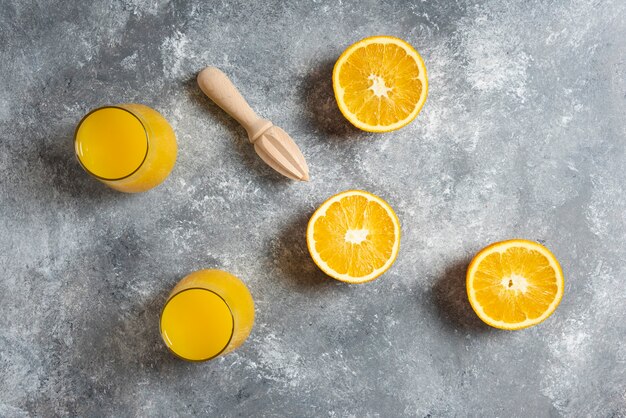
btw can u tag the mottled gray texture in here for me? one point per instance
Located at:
(523, 135)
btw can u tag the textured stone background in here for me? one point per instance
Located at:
(523, 135)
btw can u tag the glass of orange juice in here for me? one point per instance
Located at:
(208, 313)
(129, 147)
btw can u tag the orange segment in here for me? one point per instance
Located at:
(380, 83)
(514, 284)
(354, 236)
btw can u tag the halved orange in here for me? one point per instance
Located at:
(514, 284)
(380, 83)
(354, 236)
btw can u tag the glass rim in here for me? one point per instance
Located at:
(143, 126)
(230, 338)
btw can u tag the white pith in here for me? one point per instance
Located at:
(378, 86)
(515, 283)
(356, 236)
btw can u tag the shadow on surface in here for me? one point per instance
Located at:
(131, 337)
(450, 298)
(140, 331)
(112, 340)
(60, 168)
(239, 135)
(291, 256)
(319, 100)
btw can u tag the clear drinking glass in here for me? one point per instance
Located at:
(129, 147)
(208, 313)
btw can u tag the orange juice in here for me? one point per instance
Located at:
(129, 147)
(208, 313)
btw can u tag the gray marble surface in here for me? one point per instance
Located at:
(523, 135)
